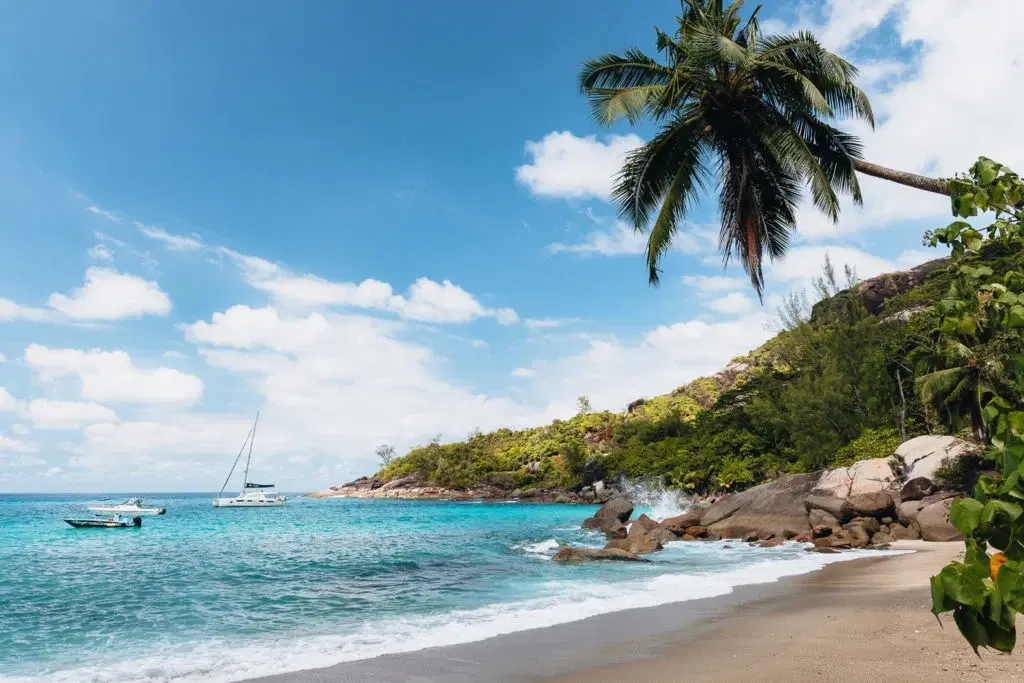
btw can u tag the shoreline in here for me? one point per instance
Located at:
(868, 615)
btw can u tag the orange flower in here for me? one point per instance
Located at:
(994, 563)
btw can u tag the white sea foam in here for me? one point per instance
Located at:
(662, 502)
(544, 548)
(215, 661)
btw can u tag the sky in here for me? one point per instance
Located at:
(384, 222)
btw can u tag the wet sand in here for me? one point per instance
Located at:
(864, 620)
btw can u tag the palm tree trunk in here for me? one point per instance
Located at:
(920, 182)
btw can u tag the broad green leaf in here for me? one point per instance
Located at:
(1016, 319)
(1000, 509)
(967, 620)
(940, 603)
(1010, 584)
(973, 240)
(986, 171)
(965, 514)
(960, 585)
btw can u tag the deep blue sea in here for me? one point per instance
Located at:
(204, 595)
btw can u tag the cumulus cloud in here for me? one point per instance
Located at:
(67, 415)
(425, 301)
(15, 446)
(7, 402)
(618, 240)
(714, 283)
(564, 165)
(110, 295)
(111, 376)
(734, 302)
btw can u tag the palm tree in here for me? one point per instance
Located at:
(955, 380)
(741, 110)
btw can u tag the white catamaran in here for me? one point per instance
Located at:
(252, 495)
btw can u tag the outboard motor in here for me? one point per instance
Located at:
(137, 521)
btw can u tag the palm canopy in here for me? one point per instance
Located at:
(745, 112)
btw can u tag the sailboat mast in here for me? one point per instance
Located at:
(245, 478)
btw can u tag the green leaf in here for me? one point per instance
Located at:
(965, 514)
(1010, 584)
(968, 325)
(1016, 319)
(972, 240)
(968, 621)
(960, 585)
(1000, 509)
(940, 603)
(986, 171)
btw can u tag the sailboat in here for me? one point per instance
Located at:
(252, 495)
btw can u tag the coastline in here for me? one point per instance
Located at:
(851, 620)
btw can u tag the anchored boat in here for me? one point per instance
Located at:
(252, 495)
(114, 522)
(131, 506)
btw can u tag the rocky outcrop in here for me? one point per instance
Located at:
(837, 508)
(611, 518)
(875, 291)
(866, 476)
(679, 524)
(923, 455)
(772, 509)
(934, 523)
(878, 504)
(572, 554)
(917, 488)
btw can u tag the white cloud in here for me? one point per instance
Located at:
(66, 415)
(171, 241)
(97, 211)
(734, 302)
(478, 343)
(425, 300)
(111, 376)
(109, 295)
(543, 323)
(10, 310)
(564, 165)
(715, 283)
(523, 372)
(619, 239)
(612, 373)
(7, 402)
(15, 446)
(805, 262)
(100, 252)
(3, 358)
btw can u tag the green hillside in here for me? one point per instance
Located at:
(840, 382)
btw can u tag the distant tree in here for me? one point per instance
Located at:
(583, 405)
(386, 453)
(474, 433)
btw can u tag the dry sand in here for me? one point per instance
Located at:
(850, 622)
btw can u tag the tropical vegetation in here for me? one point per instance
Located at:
(740, 112)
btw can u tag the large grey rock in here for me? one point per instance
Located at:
(776, 508)
(934, 522)
(571, 554)
(878, 504)
(898, 532)
(922, 455)
(819, 518)
(865, 476)
(837, 507)
(619, 508)
(610, 518)
(680, 523)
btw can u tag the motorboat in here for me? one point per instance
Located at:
(131, 506)
(113, 522)
(252, 495)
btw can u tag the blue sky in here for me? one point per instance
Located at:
(380, 223)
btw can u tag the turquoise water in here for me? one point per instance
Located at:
(222, 595)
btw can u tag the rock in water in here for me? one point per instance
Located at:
(773, 508)
(570, 554)
(679, 524)
(934, 522)
(611, 518)
(643, 537)
(923, 455)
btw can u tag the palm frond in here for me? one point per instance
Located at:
(633, 68)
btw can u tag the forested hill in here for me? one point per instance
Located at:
(835, 386)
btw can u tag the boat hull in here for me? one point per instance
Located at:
(120, 510)
(242, 503)
(104, 523)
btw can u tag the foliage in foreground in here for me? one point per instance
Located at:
(975, 374)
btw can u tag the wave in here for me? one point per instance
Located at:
(543, 548)
(219, 661)
(662, 503)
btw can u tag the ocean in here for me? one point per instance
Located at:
(206, 595)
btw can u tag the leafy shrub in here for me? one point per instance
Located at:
(872, 443)
(959, 474)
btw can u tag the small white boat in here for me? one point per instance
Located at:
(113, 522)
(252, 495)
(131, 506)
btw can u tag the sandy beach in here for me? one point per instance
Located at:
(863, 620)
